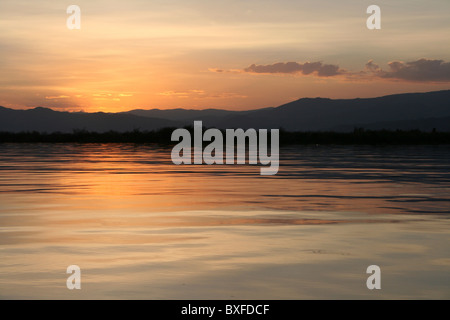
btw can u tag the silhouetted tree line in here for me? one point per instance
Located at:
(163, 136)
(367, 137)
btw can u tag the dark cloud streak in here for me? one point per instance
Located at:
(307, 68)
(421, 70)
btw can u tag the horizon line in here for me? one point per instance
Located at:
(221, 109)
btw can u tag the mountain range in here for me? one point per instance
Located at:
(423, 111)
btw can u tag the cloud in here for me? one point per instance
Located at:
(201, 94)
(183, 94)
(225, 71)
(105, 96)
(307, 68)
(227, 95)
(56, 97)
(422, 70)
(372, 67)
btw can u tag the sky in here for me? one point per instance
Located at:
(234, 54)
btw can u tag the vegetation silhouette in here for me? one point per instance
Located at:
(359, 136)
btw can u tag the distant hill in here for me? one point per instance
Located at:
(46, 120)
(402, 111)
(185, 115)
(423, 111)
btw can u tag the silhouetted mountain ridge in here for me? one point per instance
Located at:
(47, 120)
(423, 111)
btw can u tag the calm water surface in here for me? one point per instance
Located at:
(140, 227)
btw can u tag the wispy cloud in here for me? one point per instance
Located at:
(183, 94)
(56, 97)
(201, 94)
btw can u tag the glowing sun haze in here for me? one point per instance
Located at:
(230, 54)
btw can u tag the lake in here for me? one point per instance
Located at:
(140, 227)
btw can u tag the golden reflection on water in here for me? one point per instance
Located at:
(141, 227)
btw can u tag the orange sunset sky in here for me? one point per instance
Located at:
(230, 54)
